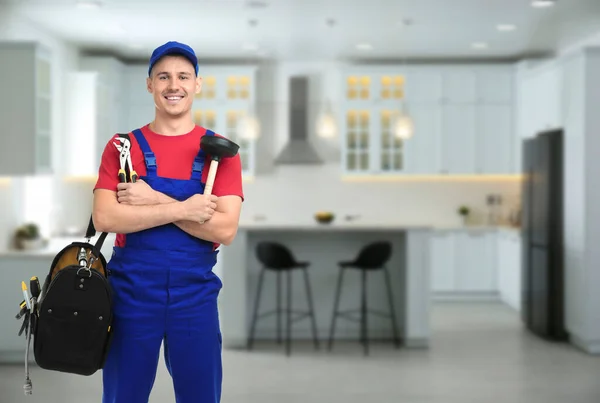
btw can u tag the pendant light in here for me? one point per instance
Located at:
(248, 126)
(326, 126)
(403, 126)
(326, 123)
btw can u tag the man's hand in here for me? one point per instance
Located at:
(137, 194)
(200, 208)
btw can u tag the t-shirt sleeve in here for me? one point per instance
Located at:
(108, 177)
(228, 181)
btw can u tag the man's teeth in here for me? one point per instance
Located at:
(174, 98)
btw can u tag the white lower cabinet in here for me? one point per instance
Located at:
(476, 264)
(509, 273)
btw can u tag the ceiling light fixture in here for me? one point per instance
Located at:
(89, 5)
(505, 27)
(479, 45)
(542, 3)
(364, 46)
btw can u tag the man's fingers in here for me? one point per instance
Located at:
(213, 206)
(123, 186)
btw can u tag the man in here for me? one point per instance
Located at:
(166, 247)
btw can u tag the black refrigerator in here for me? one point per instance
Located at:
(542, 286)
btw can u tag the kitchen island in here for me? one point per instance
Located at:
(323, 245)
(238, 268)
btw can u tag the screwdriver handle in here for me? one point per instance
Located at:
(34, 287)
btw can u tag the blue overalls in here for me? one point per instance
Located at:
(165, 289)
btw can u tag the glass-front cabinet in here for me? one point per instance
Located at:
(462, 119)
(371, 104)
(228, 95)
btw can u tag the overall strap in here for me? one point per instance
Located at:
(199, 160)
(149, 156)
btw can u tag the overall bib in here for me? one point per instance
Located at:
(165, 290)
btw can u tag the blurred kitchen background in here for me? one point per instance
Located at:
(416, 117)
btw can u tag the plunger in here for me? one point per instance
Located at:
(218, 148)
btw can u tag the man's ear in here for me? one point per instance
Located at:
(198, 85)
(149, 84)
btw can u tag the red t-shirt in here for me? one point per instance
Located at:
(174, 158)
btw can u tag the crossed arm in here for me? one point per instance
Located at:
(137, 207)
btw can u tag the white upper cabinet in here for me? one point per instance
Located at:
(458, 139)
(26, 116)
(424, 87)
(494, 147)
(495, 86)
(463, 120)
(459, 85)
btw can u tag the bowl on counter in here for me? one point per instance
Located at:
(324, 217)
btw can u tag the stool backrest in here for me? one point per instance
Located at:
(275, 255)
(375, 255)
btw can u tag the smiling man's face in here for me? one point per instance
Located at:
(173, 84)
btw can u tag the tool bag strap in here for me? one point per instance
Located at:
(91, 230)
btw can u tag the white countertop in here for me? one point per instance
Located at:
(367, 226)
(56, 244)
(343, 226)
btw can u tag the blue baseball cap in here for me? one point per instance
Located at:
(173, 48)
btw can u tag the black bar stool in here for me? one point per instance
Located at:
(372, 257)
(278, 258)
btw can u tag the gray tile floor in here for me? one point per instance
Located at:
(479, 353)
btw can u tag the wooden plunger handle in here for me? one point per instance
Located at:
(212, 172)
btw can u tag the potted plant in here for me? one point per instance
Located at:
(27, 236)
(464, 211)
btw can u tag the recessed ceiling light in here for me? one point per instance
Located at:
(479, 45)
(542, 3)
(89, 5)
(364, 46)
(505, 27)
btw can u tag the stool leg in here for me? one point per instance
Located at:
(311, 308)
(363, 314)
(289, 312)
(335, 307)
(278, 307)
(392, 311)
(256, 304)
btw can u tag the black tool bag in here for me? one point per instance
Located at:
(72, 332)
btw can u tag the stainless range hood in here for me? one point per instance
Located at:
(298, 149)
